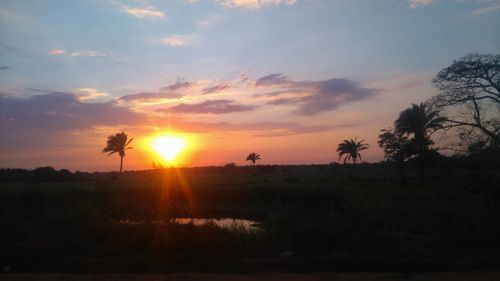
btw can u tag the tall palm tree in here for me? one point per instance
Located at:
(420, 121)
(350, 149)
(118, 143)
(253, 157)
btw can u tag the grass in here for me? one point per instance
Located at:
(311, 218)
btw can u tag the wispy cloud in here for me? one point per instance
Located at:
(209, 21)
(218, 88)
(173, 91)
(56, 52)
(210, 106)
(488, 6)
(144, 12)
(492, 6)
(254, 4)
(12, 16)
(418, 3)
(89, 93)
(4, 67)
(176, 40)
(89, 53)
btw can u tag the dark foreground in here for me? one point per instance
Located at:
(362, 276)
(306, 219)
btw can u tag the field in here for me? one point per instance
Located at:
(318, 218)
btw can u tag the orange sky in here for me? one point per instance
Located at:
(288, 80)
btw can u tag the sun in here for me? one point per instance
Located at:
(168, 147)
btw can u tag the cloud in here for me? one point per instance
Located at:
(56, 52)
(258, 129)
(89, 93)
(173, 91)
(179, 85)
(209, 21)
(89, 53)
(61, 111)
(492, 7)
(254, 4)
(311, 97)
(210, 106)
(217, 88)
(418, 3)
(144, 12)
(4, 67)
(489, 6)
(176, 40)
(13, 17)
(272, 79)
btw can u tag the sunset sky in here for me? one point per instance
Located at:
(288, 79)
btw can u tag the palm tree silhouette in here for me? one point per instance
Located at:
(118, 143)
(351, 149)
(420, 121)
(253, 157)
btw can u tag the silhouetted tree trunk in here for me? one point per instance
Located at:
(402, 176)
(420, 169)
(121, 164)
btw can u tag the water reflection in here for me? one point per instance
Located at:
(226, 223)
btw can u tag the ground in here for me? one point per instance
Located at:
(344, 276)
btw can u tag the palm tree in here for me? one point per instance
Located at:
(118, 144)
(253, 157)
(350, 149)
(420, 121)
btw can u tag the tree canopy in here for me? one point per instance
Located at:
(470, 90)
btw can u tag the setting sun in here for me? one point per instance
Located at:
(168, 146)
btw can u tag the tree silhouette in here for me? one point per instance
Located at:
(470, 87)
(118, 143)
(350, 149)
(397, 147)
(420, 121)
(253, 157)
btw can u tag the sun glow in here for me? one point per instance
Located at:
(168, 147)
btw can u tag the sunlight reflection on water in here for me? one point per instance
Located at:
(226, 223)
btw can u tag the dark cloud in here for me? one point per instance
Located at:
(38, 90)
(173, 91)
(217, 88)
(272, 80)
(61, 111)
(313, 97)
(4, 67)
(150, 96)
(210, 106)
(177, 86)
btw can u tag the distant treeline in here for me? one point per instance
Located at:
(483, 160)
(42, 174)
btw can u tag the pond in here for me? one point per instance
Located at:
(225, 223)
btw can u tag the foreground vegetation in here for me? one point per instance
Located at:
(319, 217)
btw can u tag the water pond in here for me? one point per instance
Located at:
(225, 223)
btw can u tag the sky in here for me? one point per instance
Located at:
(287, 79)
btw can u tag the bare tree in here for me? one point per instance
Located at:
(470, 91)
